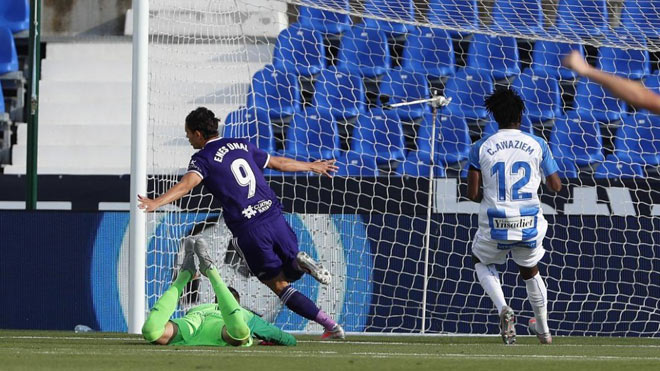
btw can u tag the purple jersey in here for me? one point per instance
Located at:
(232, 170)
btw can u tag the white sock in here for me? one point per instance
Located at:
(490, 281)
(537, 293)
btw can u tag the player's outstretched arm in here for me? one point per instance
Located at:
(323, 167)
(188, 182)
(631, 91)
(553, 182)
(475, 192)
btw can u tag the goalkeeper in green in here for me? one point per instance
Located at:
(223, 324)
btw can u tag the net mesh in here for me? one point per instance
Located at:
(314, 80)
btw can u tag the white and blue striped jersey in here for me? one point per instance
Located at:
(512, 165)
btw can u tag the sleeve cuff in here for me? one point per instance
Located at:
(267, 160)
(196, 172)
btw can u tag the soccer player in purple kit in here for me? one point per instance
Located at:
(232, 170)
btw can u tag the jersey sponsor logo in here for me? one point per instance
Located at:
(259, 208)
(510, 144)
(223, 150)
(193, 166)
(514, 223)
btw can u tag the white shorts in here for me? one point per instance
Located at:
(494, 252)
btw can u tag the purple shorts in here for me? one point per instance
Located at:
(268, 248)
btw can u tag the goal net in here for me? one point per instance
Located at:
(315, 79)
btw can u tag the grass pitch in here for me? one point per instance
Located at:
(41, 350)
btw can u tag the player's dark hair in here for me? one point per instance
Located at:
(506, 106)
(204, 121)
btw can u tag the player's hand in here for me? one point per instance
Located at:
(147, 204)
(324, 167)
(576, 62)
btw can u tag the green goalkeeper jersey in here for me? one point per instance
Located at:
(202, 325)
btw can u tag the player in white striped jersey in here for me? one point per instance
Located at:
(505, 172)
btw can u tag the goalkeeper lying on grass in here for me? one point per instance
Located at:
(223, 324)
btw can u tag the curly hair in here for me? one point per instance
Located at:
(506, 106)
(204, 121)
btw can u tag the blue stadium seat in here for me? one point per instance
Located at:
(429, 51)
(547, 56)
(339, 93)
(641, 16)
(653, 82)
(566, 168)
(391, 9)
(325, 21)
(299, 50)
(468, 89)
(630, 63)
(379, 135)
(15, 15)
(404, 86)
(250, 123)
(416, 166)
(452, 139)
(275, 91)
(582, 18)
(454, 14)
(577, 139)
(541, 94)
(614, 167)
(355, 164)
(492, 126)
(518, 16)
(311, 136)
(595, 103)
(364, 51)
(8, 56)
(635, 143)
(497, 55)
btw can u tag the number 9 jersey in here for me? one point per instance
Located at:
(232, 171)
(512, 165)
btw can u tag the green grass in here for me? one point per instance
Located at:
(37, 350)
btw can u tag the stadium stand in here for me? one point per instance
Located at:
(635, 143)
(252, 123)
(582, 18)
(518, 16)
(454, 14)
(416, 166)
(641, 16)
(452, 141)
(630, 63)
(497, 55)
(547, 55)
(429, 51)
(311, 136)
(468, 88)
(397, 9)
(491, 126)
(355, 164)
(379, 135)
(275, 90)
(299, 50)
(15, 15)
(364, 51)
(404, 86)
(614, 167)
(325, 21)
(592, 102)
(339, 94)
(541, 95)
(577, 139)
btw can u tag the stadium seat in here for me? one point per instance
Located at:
(364, 51)
(275, 91)
(641, 16)
(468, 89)
(541, 95)
(15, 15)
(429, 51)
(496, 55)
(653, 82)
(454, 14)
(635, 143)
(310, 136)
(8, 56)
(518, 16)
(492, 126)
(325, 21)
(582, 18)
(299, 50)
(595, 103)
(630, 63)
(614, 167)
(547, 56)
(391, 9)
(378, 135)
(452, 139)
(250, 123)
(577, 139)
(355, 164)
(415, 166)
(566, 168)
(404, 86)
(339, 93)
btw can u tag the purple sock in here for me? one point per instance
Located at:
(304, 307)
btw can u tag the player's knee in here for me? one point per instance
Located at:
(237, 336)
(150, 332)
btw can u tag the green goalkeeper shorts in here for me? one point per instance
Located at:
(201, 327)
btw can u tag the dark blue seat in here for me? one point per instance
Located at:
(492, 126)
(356, 164)
(454, 14)
(339, 93)
(652, 82)
(325, 21)
(641, 16)
(518, 16)
(635, 142)
(547, 56)
(614, 167)
(8, 56)
(403, 10)
(577, 139)
(364, 51)
(250, 123)
(416, 166)
(541, 95)
(429, 51)
(311, 136)
(275, 91)
(595, 103)
(15, 15)
(468, 89)
(582, 18)
(378, 135)
(497, 55)
(630, 63)
(566, 168)
(299, 50)
(452, 139)
(404, 86)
